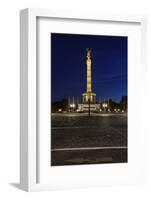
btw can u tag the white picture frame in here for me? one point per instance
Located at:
(29, 148)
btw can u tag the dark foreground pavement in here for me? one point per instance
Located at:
(79, 139)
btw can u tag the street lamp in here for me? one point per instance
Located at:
(104, 105)
(72, 106)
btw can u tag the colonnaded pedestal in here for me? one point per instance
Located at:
(89, 97)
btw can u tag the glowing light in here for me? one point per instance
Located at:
(72, 105)
(104, 105)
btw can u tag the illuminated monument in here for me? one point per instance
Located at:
(89, 97)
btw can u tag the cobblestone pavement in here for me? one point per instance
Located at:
(79, 139)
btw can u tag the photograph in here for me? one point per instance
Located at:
(89, 99)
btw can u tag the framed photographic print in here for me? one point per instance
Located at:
(82, 79)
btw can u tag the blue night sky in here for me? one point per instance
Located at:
(68, 65)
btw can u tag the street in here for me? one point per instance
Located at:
(77, 138)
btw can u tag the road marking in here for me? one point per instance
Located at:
(78, 127)
(72, 127)
(86, 114)
(87, 148)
